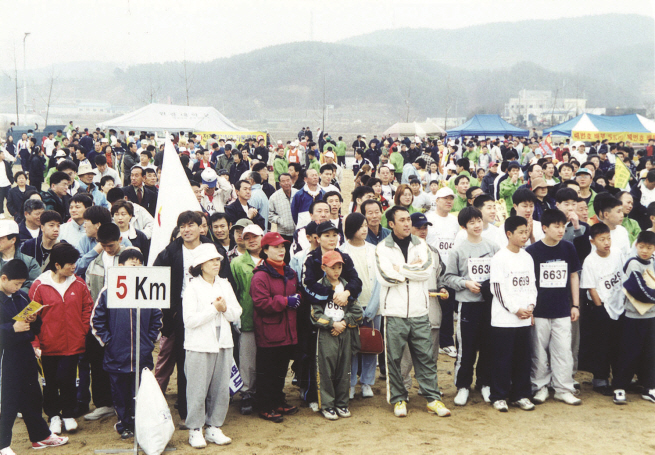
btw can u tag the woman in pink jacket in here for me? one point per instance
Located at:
(274, 293)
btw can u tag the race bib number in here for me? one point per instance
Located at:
(479, 269)
(444, 245)
(334, 312)
(520, 281)
(553, 274)
(611, 280)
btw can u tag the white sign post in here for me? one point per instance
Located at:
(137, 288)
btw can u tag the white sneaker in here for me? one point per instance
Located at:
(215, 435)
(7, 451)
(367, 391)
(19, 415)
(524, 404)
(449, 351)
(196, 439)
(55, 425)
(619, 397)
(99, 413)
(568, 398)
(462, 397)
(314, 406)
(70, 425)
(649, 395)
(501, 405)
(541, 396)
(352, 393)
(486, 393)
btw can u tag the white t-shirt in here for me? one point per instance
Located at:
(187, 258)
(647, 196)
(442, 233)
(605, 275)
(33, 232)
(433, 201)
(537, 231)
(421, 201)
(513, 275)
(329, 188)
(107, 262)
(620, 243)
(493, 233)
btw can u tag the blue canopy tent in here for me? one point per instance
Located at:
(486, 125)
(589, 127)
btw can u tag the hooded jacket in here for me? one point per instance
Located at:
(66, 318)
(115, 329)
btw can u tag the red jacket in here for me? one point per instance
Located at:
(65, 320)
(275, 323)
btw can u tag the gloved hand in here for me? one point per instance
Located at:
(293, 301)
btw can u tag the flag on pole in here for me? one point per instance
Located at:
(621, 174)
(175, 196)
(546, 146)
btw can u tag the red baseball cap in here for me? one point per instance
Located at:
(332, 257)
(272, 239)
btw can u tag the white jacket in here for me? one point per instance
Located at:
(201, 317)
(375, 285)
(404, 292)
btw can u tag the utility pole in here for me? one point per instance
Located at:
(52, 81)
(324, 108)
(407, 103)
(25, 77)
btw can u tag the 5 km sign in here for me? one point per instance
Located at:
(139, 287)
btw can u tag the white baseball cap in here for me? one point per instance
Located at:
(8, 227)
(445, 192)
(252, 229)
(205, 252)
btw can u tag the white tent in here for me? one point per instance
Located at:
(414, 129)
(170, 117)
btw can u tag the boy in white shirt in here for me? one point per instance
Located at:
(610, 212)
(602, 277)
(515, 295)
(487, 206)
(523, 201)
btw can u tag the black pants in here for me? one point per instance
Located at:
(21, 393)
(473, 341)
(637, 354)
(4, 191)
(510, 378)
(122, 390)
(59, 394)
(272, 366)
(606, 337)
(180, 355)
(306, 355)
(341, 160)
(90, 366)
(447, 329)
(287, 247)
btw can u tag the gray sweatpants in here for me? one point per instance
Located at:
(248, 361)
(434, 315)
(415, 333)
(208, 387)
(552, 336)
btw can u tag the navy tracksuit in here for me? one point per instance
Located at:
(20, 377)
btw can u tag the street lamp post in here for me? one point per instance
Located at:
(25, 79)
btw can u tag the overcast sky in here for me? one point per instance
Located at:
(138, 31)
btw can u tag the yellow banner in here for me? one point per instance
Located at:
(639, 138)
(621, 175)
(238, 136)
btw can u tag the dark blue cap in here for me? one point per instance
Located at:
(419, 220)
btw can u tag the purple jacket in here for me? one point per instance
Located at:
(275, 323)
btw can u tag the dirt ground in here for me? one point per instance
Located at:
(598, 426)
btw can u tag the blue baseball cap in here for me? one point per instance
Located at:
(419, 220)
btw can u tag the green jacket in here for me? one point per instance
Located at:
(590, 204)
(341, 148)
(473, 155)
(383, 221)
(315, 164)
(280, 166)
(242, 270)
(633, 228)
(507, 189)
(473, 181)
(353, 311)
(458, 204)
(398, 162)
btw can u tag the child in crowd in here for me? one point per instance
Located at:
(515, 295)
(209, 307)
(636, 348)
(487, 206)
(337, 337)
(602, 277)
(467, 268)
(523, 204)
(610, 211)
(63, 334)
(556, 266)
(20, 377)
(115, 330)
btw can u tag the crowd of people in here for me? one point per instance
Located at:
(544, 261)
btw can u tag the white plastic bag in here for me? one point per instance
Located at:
(153, 421)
